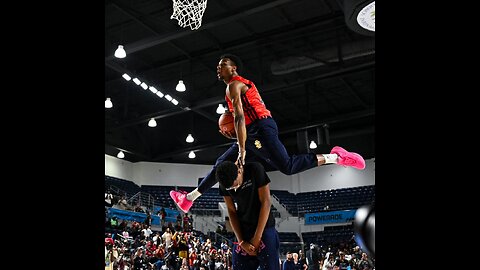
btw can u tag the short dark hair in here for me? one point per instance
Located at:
(235, 59)
(226, 173)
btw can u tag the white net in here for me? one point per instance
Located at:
(189, 12)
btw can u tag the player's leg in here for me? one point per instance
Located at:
(242, 261)
(268, 255)
(267, 132)
(184, 200)
(269, 145)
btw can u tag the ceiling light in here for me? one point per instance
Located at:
(108, 103)
(366, 17)
(175, 102)
(160, 94)
(144, 86)
(180, 86)
(168, 97)
(120, 154)
(137, 81)
(190, 138)
(153, 89)
(126, 77)
(152, 122)
(191, 154)
(120, 52)
(313, 145)
(220, 109)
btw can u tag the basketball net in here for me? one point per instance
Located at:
(189, 12)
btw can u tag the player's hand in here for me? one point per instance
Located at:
(256, 243)
(249, 248)
(229, 135)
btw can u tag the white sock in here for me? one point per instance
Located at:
(330, 158)
(192, 196)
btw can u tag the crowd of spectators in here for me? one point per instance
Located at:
(134, 245)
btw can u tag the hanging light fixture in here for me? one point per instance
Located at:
(189, 138)
(180, 86)
(120, 154)
(152, 122)
(191, 154)
(126, 77)
(137, 81)
(120, 52)
(153, 89)
(313, 145)
(108, 103)
(220, 109)
(160, 94)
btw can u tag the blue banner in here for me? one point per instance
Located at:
(330, 217)
(130, 215)
(171, 214)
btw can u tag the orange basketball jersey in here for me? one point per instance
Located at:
(252, 103)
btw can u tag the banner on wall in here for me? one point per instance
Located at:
(343, 216)
(130, 215)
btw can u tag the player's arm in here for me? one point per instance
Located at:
(265, 203)
(234, 91)
(232, 213)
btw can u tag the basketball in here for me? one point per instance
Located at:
(225, 123)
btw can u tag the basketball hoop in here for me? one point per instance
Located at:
(189, 12)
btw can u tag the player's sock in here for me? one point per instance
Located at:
(192, 196)
(330, 158)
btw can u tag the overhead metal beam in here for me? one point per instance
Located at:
(243, 24)
(154, 31)
(111, 146)
(354, 93)
(329, 121)
(159, 115)
(266, 91)
(332, 120)
(133, 16)
(154, 41)
(187, 150)
(182, 103)
(273, 36)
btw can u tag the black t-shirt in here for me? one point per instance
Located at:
(246, 197)
(313, 257)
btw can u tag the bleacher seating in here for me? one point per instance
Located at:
(161, 195)
(287, 199)
(129, 187)
(296, 204)
(317, 201)
(208, 202)
(289, 237)
(330, 235)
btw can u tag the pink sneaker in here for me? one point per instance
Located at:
(180, 199)
(348, 159)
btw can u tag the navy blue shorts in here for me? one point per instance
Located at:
(268, 257)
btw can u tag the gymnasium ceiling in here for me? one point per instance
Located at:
(314, 73)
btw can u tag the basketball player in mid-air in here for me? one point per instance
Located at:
(257, 133)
